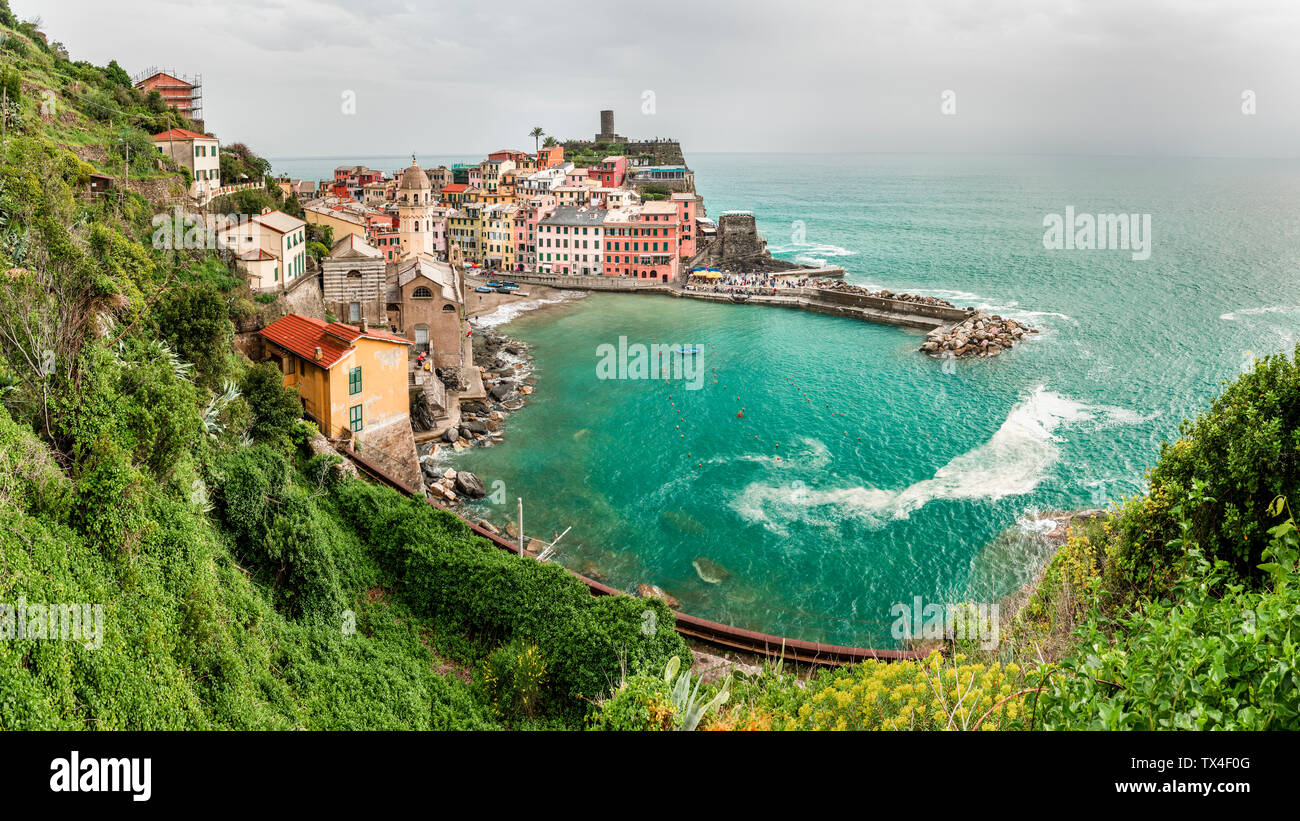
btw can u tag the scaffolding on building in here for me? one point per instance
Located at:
(192, 96)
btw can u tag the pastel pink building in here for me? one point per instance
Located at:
(644, 242)
(532, 210)
(689, 206)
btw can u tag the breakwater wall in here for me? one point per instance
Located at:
(712, 632)
(899, 312)
(578, 282)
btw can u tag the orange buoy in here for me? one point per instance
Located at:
(740, 414)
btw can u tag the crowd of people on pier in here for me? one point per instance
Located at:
(742, 283)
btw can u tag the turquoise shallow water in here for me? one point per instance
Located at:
(895, 478)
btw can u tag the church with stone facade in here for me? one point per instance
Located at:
(416, 296)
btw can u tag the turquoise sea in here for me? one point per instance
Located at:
(862, 474)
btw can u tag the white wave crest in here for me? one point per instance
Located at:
(1012, 462)
(816, 249)
(1233, 316)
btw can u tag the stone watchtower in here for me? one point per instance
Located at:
(607, 134)
(415, 211)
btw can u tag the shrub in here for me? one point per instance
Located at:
(1244, 450)
(276, 409)
(1212, 655)
(640, 702)
(450, 574)
(279, 533)
(512, 678)
(934, 694)
(193, 321)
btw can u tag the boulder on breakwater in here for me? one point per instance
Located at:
(980, 334)
(846, 288)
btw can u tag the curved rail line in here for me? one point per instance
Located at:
(712, 632)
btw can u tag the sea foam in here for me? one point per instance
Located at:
(1233, 316)
(511, 311)
(1014, 460)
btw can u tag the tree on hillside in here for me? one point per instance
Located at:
(117, 75)
(536, 134)
(276, 409)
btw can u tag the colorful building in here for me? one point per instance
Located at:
(643, 242)
(548, 156)
(569, 241)
(610, 171)
(689, 208)
(353, 385)
(196, 153)
(181, 92)
(277, 234)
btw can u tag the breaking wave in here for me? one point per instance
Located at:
(1233, 316)
(1012, 462)
(511, 311)
(812, 249)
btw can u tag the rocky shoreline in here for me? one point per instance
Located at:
(979, 335)
(508, 380)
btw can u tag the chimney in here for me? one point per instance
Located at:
(363, 324)
(318, 356)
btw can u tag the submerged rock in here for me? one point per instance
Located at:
(654, 591)
(710, 571)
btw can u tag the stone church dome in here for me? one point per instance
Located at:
(413, 178)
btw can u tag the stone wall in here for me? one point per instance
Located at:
(303, 296)
(392, 447)
(883, 304)
(345, 281)
(588, 283)
(662, 152)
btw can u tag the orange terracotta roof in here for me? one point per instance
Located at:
(455, 187)
(181, 134)
(302, 335)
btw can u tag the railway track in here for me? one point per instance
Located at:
(711, 632)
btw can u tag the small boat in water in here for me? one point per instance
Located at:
(685, 350)
(740, 297)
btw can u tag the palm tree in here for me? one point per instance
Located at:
(536, 134)
(549, 141)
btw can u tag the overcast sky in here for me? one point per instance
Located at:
(453, 76)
